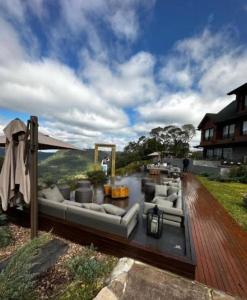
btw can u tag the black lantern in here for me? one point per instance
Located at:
(154, 222)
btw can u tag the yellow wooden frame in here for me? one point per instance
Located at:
(113, 156)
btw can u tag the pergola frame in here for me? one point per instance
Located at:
(113, 155)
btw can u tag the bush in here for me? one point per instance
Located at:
(130, 168)
(5, 236)
(16, 282)
(88, 273)
(97, 177)
(86, 267)
(239, 174)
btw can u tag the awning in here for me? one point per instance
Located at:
(154, 154)
(45, 142)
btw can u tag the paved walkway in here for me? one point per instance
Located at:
(220, 243)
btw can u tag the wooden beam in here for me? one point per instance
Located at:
(113, 161)
(96, 154)
(33, 175)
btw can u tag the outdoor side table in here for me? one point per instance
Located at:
(84, 195)
(146, 180)
(149, 190)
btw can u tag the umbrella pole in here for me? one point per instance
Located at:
(33, 175)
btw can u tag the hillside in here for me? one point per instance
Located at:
(66, 163)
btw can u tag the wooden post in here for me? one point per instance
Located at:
(96, 156)
(33, 175)
(113, 161)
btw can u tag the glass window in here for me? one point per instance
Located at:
(218, 153)
(228, 131)
(210, 153)
(227, 153)
(245, 127)
(231, 130)
(209, 133)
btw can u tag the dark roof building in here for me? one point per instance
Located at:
(224, 134)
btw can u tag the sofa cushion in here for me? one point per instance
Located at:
(52, 194)
(161, 190)
(72, 203)
(114, 210)
(172, 197)
(164, 204)
(174, 184)
(93, 206)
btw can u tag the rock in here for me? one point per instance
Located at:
(123, 266)
(134, 280)
(106, 294)
(218, 295)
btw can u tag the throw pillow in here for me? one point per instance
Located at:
(93, 206)
(161, 190)
(52, 194)
(114, 210)
(172, 197)
(172, 190)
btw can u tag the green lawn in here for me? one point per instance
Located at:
(230, 195)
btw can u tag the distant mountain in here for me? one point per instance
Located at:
(66, 162)
(41, 155)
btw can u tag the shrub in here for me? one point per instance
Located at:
(88, 274)
(3, 219)
(130, 168)
(86, 267)
(97, 177)
(5, 236)
(204, 174)
(16, 282)
(239, 174)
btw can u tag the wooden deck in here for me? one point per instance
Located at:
(220, 243)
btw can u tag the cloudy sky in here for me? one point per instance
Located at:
(110, 70)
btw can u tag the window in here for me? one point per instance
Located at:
(244, 128)
(227, 153)
(228, 131)
(210, 153)
(218, 153)
(209, 133)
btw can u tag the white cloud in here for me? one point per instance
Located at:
(89, 104)
(128, 84)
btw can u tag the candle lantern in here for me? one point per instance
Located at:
(154, 222)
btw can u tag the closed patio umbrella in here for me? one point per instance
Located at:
(21, 142)
(13, 174)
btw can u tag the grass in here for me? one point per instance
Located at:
(16, 282)
(230, 195)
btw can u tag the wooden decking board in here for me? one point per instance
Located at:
(220, 243)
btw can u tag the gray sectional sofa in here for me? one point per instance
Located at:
(75, 213)
(168, 198)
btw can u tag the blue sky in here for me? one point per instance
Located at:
(109, 71)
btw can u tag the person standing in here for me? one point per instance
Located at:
(104, 164)
(186, 163)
